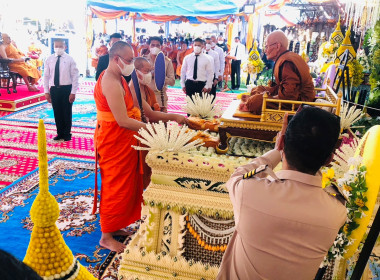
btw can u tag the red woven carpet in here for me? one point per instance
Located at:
(20, 100)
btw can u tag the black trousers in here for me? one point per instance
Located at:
(194, 86)
(213, 88)
(235, 71)
(62, 109)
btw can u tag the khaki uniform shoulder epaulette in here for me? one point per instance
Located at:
(254, 172)
(334, 191)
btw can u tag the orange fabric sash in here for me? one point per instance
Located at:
(108, 116)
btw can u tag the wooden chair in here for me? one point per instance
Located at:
(6, 74)
(334, 102)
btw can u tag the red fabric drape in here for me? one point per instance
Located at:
(212, 20)
(159, 18)
(108, 15)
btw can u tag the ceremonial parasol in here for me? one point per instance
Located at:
(159, 75)
(136, 85)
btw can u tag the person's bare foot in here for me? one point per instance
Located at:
(108, 242)
(121, 233)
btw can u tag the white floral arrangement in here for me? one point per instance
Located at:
(363, 60)
(169, 137)
(342, 156)
(353, 187)
(248, 147)
(203, 106)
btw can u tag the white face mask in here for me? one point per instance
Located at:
(154, 50)
(147, 78)
(213, 44)
(220, 42)
(127, 68)
(197, 49)
(59, 51)
(208, 47)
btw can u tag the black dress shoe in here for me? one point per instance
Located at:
(67, 138)
(57, 137)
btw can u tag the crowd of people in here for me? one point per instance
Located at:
(176, 49)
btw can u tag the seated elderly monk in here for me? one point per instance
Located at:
(292, 77)
(144, 74)
(30, 74)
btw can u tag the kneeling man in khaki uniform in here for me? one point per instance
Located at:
(285, 222)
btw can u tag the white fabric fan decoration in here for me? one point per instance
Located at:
(167, 138)
(349, 115)
(203, 106)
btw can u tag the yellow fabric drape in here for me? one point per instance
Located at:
(212, 20)
(229, 28)
(89, 35)
(108, 15)
(250, 32)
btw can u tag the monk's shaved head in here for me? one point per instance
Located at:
(278, 37)
(118, 48)
(276, 44)
(141, 62)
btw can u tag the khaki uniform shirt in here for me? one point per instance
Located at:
(285, 223)
(169, 80)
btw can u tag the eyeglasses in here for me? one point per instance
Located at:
(267, 46)
(127, 61)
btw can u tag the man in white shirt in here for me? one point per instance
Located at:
(215, 60)
(221, 55)
(60, 84)
(196, 72)
(237, 53)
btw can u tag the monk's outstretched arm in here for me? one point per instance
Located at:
(114, 94)
(155, 116)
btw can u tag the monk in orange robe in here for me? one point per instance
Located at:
(172, 54)
(181, 55)
(292, 77)
(30, 74)
(118, 117)
(100, 51)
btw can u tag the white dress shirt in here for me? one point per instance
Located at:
(221, 55)
(240, 53)
(68, 72)
(205, 71)
(215, 61)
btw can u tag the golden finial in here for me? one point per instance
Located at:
(47, 252)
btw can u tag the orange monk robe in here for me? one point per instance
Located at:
(292, 82)
(135, 49)
(102, 50)
(24, 69)
(181, 57)
(120, 164)
(150, 97)
(173, 56)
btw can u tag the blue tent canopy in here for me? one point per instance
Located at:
(170, 7)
